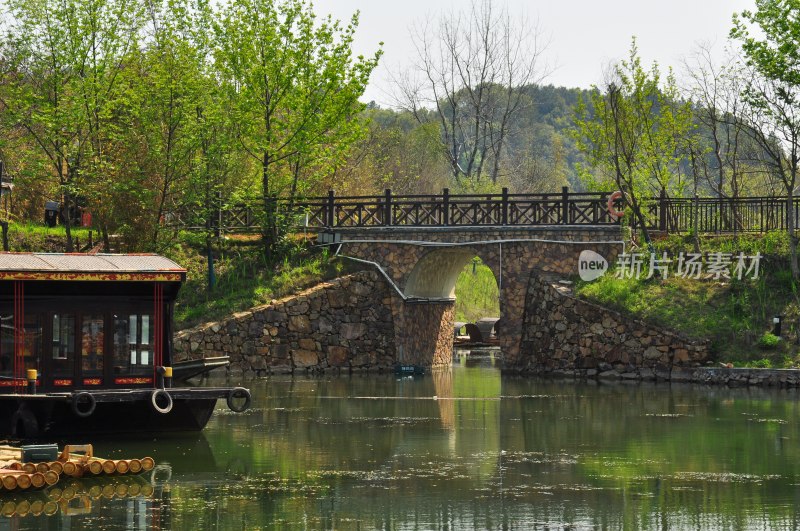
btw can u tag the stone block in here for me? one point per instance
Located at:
(338, 356)
(299, 308)
(280, 351)
(337, 299)
(307, 344)
(652, 353)
(353, 330)
(304, 358)
(274, 316)
(299, 323)
(361, 289)
(324, 325)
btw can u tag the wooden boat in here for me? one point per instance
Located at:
(86, 347)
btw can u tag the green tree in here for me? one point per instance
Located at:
(165, 82)
(633, 131)
(294, 87)
(61, 82)
(773, 94)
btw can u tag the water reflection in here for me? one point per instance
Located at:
(465, 447)
(128, 499)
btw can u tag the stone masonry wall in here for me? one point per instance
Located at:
(346, 324)
(546, 249)
(567, 336)
(427, 332)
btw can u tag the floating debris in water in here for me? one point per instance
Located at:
(772, 421)
(723, 477)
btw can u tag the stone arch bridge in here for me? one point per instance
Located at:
(423, 263)
(420, 244)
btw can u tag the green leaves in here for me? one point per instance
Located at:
(772, 92)
(148, 108)
(633, 129)
(293, 87)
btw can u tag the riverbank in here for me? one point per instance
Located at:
(736, 316)
(716, 376)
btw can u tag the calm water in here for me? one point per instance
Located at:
(459, 449)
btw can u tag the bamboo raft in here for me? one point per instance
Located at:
(73, 496)
(74, 461)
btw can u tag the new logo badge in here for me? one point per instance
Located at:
(591, 265)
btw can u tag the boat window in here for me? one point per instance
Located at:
(32, 345)
(63, 344)
(133, 339)
(33, 341)
(92, 345)
(7, 345)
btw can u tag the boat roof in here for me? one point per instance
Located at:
(78, 267)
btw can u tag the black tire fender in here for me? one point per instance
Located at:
(81, 397)
(156, 396)
(238, 392)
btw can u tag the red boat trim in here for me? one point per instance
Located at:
(88, 276)
(132, 381)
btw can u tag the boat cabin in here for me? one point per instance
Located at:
(85, 321)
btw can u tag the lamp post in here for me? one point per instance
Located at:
(776, 325)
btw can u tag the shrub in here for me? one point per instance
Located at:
(768, 341)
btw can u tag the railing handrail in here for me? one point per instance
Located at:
(668, 214)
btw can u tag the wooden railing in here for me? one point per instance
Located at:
(446, 210)
(665, 214)
(720, 215)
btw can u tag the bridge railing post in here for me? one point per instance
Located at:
(329, 213)
(565, 205)
(387, 207)
(504, 207)
(446, 206)
(662, 210)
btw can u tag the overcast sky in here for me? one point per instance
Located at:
(584, 35)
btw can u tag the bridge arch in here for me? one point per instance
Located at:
(435, 274)
(423, 266)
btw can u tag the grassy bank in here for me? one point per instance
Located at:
(245, 279)
(476, 293)
(34, 237)
(736, 315)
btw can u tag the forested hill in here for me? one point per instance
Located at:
(403, 151)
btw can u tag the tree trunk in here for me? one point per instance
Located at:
(212, 276)
(106, 240)
(269, 227)
(66, 200)
(790, 228)
(65, 209)
(4, 225)
(637, 211)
